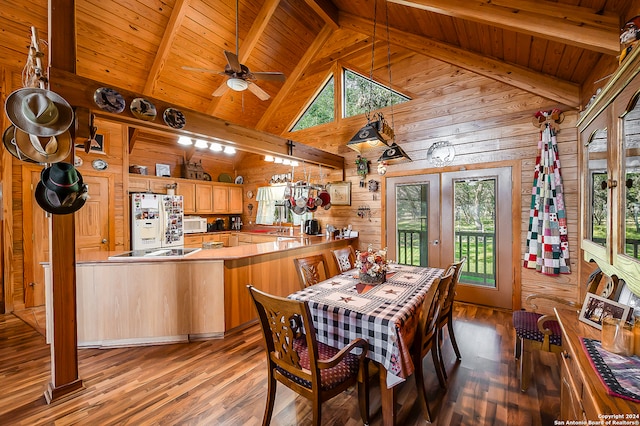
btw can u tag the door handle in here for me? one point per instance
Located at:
(435, 242)
(104, 241)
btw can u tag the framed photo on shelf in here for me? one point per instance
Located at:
(96, 146)
(163, 170)
(596, 308)
(340, 193)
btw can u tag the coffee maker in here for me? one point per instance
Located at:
(236, 223)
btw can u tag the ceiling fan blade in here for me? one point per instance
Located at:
(201, 70)
(233, 61)
(269, 76)
(221, 90)
(253, 88)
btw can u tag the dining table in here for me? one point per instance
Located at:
(386, 315)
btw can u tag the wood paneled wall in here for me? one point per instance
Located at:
(490, 124)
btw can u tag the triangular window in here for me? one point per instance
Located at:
(321, 110)
(362, 95)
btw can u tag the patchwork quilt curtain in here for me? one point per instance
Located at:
(547, 240)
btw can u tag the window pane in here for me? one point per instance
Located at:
(475, 230)
(411, 220)
(631, 168)
(320, 111)
(363, 95)
(597, 172)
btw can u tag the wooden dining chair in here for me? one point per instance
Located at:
(296, 359)
(535, 331)
(446, 313)
(311, 269)
(345, 258)
(426, 339)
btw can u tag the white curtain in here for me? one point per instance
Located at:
(267, 197)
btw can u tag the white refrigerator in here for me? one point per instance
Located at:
(156, 221)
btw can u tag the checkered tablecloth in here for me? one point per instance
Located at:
(384, 315)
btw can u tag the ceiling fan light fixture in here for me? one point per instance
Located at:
(237, 84)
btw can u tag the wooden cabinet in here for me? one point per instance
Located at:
(188, 191)
(196, 240)
(220, 196)
(156, 185)
(193, 240)
(198, 197)
(204, 198)
(610, 176)
(235, 200)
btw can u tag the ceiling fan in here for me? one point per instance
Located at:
(239, 77)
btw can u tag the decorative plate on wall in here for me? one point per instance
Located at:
(109, 100)
(441, 154)
(174, 118)
(239, 180)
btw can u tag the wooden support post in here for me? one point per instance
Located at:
(64, 347)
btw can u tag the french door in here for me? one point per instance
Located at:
(435, 219)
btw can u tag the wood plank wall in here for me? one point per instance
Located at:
(490, 124)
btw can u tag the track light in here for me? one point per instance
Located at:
(201, 144)
(229, 150)
(183, 140)
(215, 147)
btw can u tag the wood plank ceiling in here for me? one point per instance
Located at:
(548, 48)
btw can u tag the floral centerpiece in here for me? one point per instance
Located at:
(372, 265)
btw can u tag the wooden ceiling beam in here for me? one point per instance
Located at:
(175, 21)
(326, 10)
(249, 43)
(293, 78)
(540, 84)
(563, 23)
(79, 91)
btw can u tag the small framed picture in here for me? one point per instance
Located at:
(96, 146)
(595, 309)
(163, 170)
(340, 193)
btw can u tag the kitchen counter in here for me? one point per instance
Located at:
(284, 243)
(159, 300)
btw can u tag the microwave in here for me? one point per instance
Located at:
(194, 224)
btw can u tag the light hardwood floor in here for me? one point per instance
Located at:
(223, 382)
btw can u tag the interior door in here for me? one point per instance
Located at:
(92, 220)
(477, 224)
(35, 237)
(413, 222)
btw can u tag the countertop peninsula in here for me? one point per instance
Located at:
(148, 301)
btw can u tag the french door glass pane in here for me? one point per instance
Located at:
(411, 219)
(475, 230)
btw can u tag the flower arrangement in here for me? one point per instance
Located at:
(372, 265)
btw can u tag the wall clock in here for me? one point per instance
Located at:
(441, 154)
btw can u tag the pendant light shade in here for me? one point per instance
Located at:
(394, 154)
(368, 136)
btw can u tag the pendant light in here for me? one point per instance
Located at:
(369, 135)
(393, 154)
